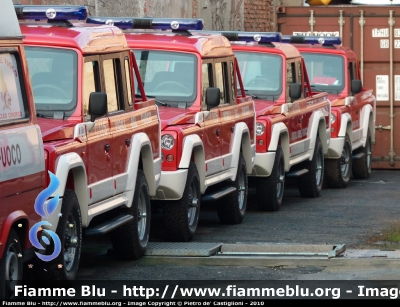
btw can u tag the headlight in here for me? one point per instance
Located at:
(167, 142)
(333, 118)
(260, 129)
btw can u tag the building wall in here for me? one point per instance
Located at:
(248, 15)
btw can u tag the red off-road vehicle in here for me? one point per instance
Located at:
(101, 142)
(22, 171)
(293, 121)
(208, 128)
(335, 69)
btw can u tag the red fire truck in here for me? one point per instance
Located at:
(101, 142)
(293, 121)
(208, 128)
(335, 69)
(22, 171)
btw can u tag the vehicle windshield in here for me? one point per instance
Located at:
(53, 75)
(169, 77)
(325, 71)
(261, 74)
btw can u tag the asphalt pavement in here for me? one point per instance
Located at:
(347, 218)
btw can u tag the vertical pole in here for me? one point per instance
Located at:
(232, 23)
(341, 26)
(96, 7)
(391, 88)
(362, 23)
(311, 22)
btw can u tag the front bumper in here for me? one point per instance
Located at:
(335, 148)
(264, 163)
(172, 185)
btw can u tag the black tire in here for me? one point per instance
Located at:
(232, 208)
(270, 189)
(182, 216)
(130, 240)
(10, 265)
(338, 171)
(310, 184)
(69, 229)
(362, 166)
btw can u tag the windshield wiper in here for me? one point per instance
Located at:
(162, 103)
(43, 116)
(314, 87)
(253, 96)
(159, 102)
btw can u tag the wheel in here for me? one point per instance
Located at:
(310, 184)
(232, 208)
(130, 240)
(270, 189)
(259, 82)
(338, 171)
(10, 265)
(362, 166)
(69, 230)
(49, 87)
(182, 216)
(171, 86)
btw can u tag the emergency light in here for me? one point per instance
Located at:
(125, 23)
(51, 12)
(302, 39)
(240, 36)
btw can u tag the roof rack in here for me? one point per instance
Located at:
(241, 36)
(52, 13)
(313, 40)
(126, 23)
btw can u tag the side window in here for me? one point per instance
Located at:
(91, 83)
(300, 76)
(220, 76)
(290, 77)
(13, 101)
(299, 72)
(128, 80)
(111, 84)
(233, 84)
(206, 81)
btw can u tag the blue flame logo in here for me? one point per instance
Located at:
(45, 209)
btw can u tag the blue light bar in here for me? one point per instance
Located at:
(51, 12)
(240, 36)
(177, 24)
(313, 40)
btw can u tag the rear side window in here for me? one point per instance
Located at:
(13, 100)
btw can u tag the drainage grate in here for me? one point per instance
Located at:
(182, 249)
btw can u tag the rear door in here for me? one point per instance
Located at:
(99, 162)
(212, 139)
(21, 147)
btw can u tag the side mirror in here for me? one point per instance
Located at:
(213, 97)
(356, 86)
(97, 105)
(295, 91)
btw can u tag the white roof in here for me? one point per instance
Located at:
(9, 26)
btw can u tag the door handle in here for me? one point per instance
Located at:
(107, 147)
(218, 132)
(128, 142)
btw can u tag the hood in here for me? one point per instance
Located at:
(175, 116)
(264, 107)
(55, 129)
